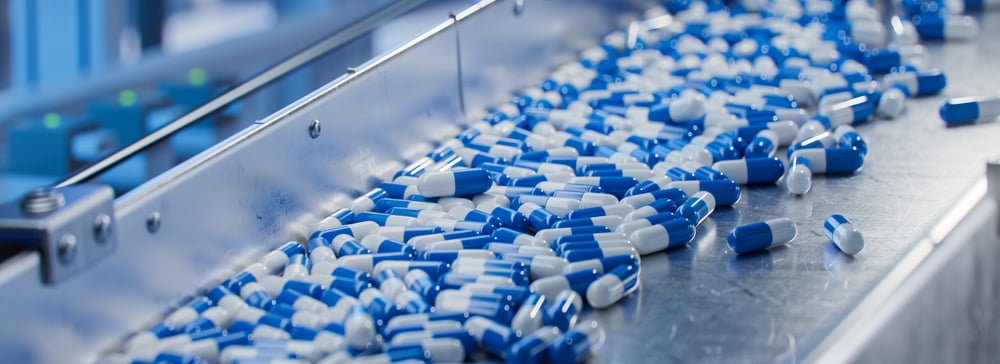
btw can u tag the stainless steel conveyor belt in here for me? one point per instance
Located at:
(924, 289)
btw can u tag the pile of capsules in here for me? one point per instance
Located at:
(489, 247)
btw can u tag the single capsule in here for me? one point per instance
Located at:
(940, 26)
(528, 317)
(761, 235)
(557, 205)
(844, 234)
(799, 178)
(189, 312)
(533, 348)
(433, 269)
(539, 266)
(762, 146)
(454, 183)
(549, 235)
(435, 321)
(422, 242)
(664, 235)
(588, 199)
(831, 160)
(656, 207)
(513, 294)
(564, 311)
(474, 242)
(493, 306)
(892, 102)
(577, 344)
(613, 286)
(338, 218)
(602, 265)
(512, 236)
(538, 217)
(916, 83)
(677, 195)
(697, 208)
(367, 201)
(492, 336)
(620, 210)
(751, 170)
(969, 109)
(551, 286)
(630, 227)
(276, 260)
(725, 192)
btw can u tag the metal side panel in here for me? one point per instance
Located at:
(251, 192)
(943, 309)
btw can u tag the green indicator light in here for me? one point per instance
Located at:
(196, 76)
(126, 98)
(52, 120)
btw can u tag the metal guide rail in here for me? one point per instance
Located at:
(700, 302)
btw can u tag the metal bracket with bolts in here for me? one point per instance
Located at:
(71, 227)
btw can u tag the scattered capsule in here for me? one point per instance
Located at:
(761, 235)
(751, 170)
(831, 160)
(843, 234)
(664, 235)
(799, 177)
(969, 109)
(697, 208)
(613, 286)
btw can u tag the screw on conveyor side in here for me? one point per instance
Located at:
(315, 128)
(66, 248)
(518, 7)
(42, 200)
(102, 228)
(153, 222)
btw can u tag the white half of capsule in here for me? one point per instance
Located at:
(799, 179)
(782, 231)
(848, 238)
(606, 291)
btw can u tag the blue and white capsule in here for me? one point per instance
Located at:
(613, 286)
(697, 208)
(576, 281)
(529, 316)
(492, 336)
(943, 26)
(664, 235)
(367, 201)
(761, 235)
(725, 192)
(564, 311)
(751, 170)
(492, 306)
(831, 160)
(799, 177)
(843, 234)
(533, 348)
(576, 345)
(454, 183)
(969, 109)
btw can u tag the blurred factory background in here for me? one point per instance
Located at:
(80, 79)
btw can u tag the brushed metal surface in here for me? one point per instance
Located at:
(698, 303)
